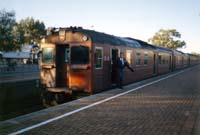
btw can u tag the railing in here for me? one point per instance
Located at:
(17, 68)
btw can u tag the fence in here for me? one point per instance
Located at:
(17, 68)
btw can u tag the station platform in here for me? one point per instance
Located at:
(163, 105)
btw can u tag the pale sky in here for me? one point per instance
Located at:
(139, 19)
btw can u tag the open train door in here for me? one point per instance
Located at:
(62, 65)
(115, 54)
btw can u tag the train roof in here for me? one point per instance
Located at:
(161, 49)
(143, 43)
(147, 45)
(178, 52)
(99, 37)
(193, 55)
(103, 38)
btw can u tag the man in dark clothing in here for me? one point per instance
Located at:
(121, 63)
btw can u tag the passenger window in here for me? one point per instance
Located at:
(79, 54)
(160, 59)
(167, 60)
(98, 58)
(138, 59)
(145, 58)
(129, 56)
(163, 60)
(48, 55)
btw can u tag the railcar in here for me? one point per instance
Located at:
(186, 60)
(193, 59)
(160, 59)
(76, 59)
(164, 60)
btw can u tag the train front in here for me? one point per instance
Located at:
(65, 63)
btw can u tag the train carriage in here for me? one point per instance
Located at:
(66, 61)
(186, 61)
(193, 59)
(164, 60)
(161, 58)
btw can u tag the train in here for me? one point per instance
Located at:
(76, 59)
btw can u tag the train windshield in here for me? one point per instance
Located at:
(48, 55)
(79, 55)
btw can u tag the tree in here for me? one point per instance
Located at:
(33, 30)
(13, 35)
(196, 54)
(10, 36)
(168, 39)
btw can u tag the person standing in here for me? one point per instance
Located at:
(121, 63)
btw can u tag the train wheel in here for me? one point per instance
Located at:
(48, 99)
(62, 97)
(53, 99)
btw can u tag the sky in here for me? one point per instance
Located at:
(139, 19)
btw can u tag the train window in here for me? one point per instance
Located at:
(178, 60)
(145, 58)
(138, 57)
(163, 59)
(160, 59)
(182, 60)
(167, 59)
(129, 56)
(48, 55)
(98, 58)
(79, 55)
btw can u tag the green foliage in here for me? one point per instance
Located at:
(168, 39)
(13, 35)
(9, 35)
(32, 29)
(196, 54)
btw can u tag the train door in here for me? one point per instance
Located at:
(62, 63)
(154, 64)
(115, 54)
